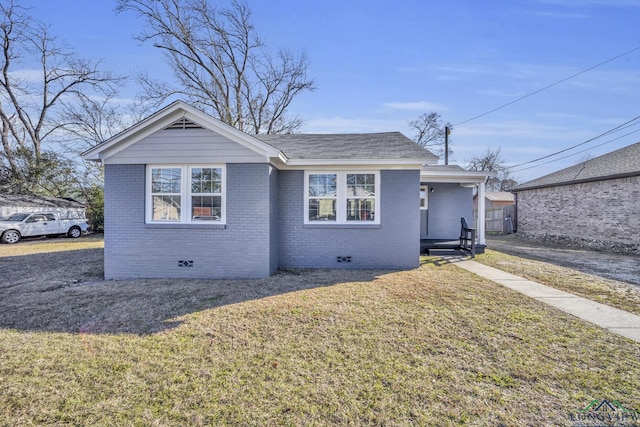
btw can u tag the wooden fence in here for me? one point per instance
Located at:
(497, 220)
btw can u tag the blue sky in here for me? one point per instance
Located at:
(379, 64)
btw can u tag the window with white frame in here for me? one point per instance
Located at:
(185, 194)
(424, 197)
(323, 194)
(342, 197)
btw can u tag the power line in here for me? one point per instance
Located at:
(610, 131)
(548, 86)
(573, 154)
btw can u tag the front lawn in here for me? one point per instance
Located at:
(611, 292)
(431, 346)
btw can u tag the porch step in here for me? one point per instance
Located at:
(445, 247)
(444, 252)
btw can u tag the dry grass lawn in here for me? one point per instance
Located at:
(611, 292)
(431, 346)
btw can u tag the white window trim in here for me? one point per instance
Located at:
(341, 196)
(424, 188)
(185, 195)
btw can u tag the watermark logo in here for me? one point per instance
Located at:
(605, 413)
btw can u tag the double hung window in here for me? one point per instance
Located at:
(323, 197)
(342, 197)
(185, 194)
(361, 196)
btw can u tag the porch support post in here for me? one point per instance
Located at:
(481, 214)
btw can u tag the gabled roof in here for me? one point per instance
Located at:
(352, 146)
(23, 201)
(293, 150)
(617, 164)
(168, 116)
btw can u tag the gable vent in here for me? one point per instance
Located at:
(183, 124)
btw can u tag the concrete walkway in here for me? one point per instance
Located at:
(615, 320)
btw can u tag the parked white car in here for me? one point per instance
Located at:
(28, 224)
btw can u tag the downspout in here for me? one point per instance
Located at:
(481, 213)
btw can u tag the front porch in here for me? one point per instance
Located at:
(445, 247)
(446, 196)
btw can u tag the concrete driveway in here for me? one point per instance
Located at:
(624, 268)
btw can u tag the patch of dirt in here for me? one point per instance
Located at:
(43, 288)
(614, 266)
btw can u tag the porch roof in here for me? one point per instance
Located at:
(453, 173)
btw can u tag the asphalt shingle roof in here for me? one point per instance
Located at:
(622, 162)
(499, 196)
(387, 146)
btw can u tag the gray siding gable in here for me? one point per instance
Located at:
(176, 116)
(188, 146)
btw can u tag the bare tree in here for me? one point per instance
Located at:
(491, 161)
(91, 121)
(584, 158)
(39, 76)
(430, 132)
(221, 64)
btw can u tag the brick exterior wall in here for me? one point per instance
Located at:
(600, 214)
(274, 210)
(264, 230)
(395, 243)
(243, 248)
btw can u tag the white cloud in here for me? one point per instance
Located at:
(27, 74)
(611, 121)
(570, 15)
(513, 80)
(337, 124)
(460, 71)
(415, 106)
(582, 3)
(559, 116)
(504, 131)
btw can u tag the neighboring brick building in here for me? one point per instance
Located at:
(594, 203)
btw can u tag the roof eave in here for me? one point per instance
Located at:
(337, 163)
(577, 181)
(471, 177)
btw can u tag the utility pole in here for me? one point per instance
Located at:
(447, 131)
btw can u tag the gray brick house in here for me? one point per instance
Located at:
(595, 203)
(189, 196)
